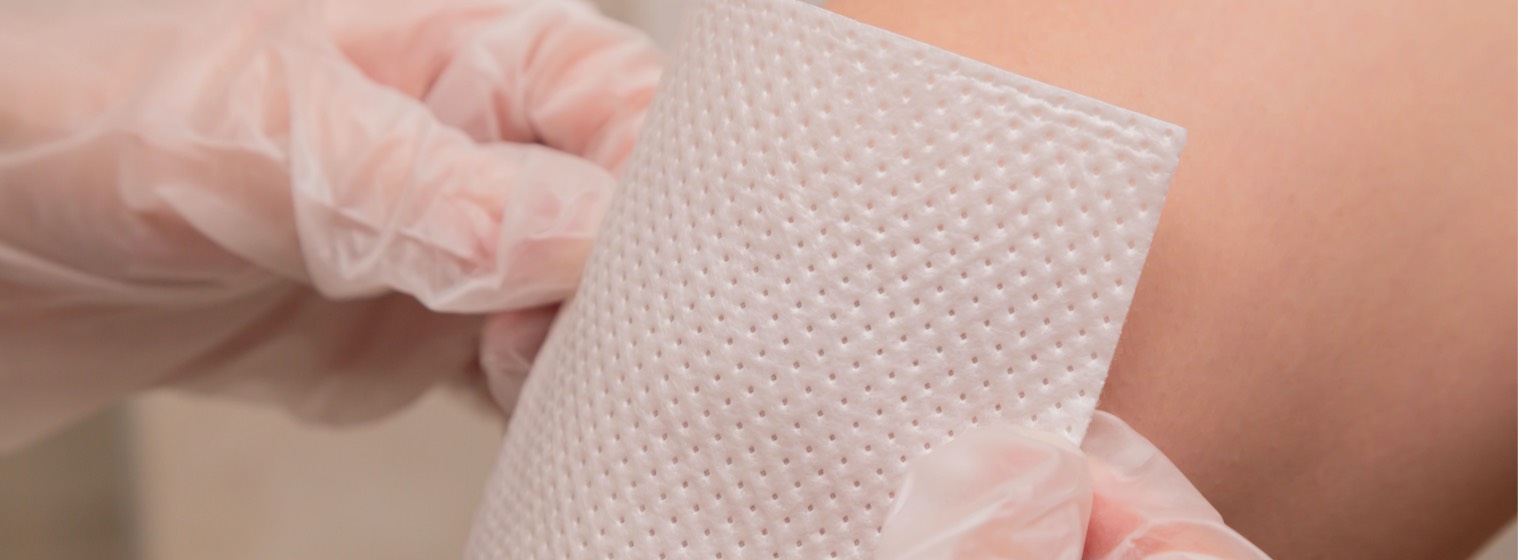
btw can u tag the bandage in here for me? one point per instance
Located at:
(834, 249)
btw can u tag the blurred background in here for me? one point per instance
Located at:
(177, 477)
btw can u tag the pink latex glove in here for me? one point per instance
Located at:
(1001, 492)
(311, 202)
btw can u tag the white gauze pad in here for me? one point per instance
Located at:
(834, 248)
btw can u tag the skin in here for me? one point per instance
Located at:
(1324, 336)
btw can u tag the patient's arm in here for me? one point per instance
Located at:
(1324, 336)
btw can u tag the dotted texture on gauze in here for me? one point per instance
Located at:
(834, 248)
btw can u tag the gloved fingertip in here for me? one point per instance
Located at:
(508, 344)
(422, 209)
(558, 192)
(993, 492)
(1182, 539)
(1145, 507)
(1117, 445)
(504, 379)
(549, 223)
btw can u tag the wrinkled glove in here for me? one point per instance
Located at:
(308, 202)
(1000, 492)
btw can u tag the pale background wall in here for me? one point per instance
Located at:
(232, 482)
(171, 477)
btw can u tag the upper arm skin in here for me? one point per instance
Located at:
(1324, 335)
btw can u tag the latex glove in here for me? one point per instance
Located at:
(277, 199)
(1000, 492)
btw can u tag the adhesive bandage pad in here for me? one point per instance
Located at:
(833, 248)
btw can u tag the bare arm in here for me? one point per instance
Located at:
(1324, 336)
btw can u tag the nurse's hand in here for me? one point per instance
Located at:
(1003, 492)
(313, 202)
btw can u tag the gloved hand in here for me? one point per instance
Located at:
(1003, 492)
(307, 201)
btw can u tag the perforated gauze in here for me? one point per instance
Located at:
(833, 248)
